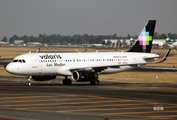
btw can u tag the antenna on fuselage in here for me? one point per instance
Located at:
(38, 50)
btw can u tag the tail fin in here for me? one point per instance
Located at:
(129, 37)
(166, 37)
(144, 40)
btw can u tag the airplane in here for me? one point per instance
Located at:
(86, 66)
(171, 43)
(132, 40)
(3, 43)
(158, 43)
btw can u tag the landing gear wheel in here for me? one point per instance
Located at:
(28, 83)
(94, 82)
(67, 82)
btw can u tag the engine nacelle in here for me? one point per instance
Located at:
(84, 75)
(43, 78)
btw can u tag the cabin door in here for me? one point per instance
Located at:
(34, 62)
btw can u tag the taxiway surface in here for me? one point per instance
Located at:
(81, 101)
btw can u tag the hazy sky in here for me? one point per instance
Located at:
(96, 17)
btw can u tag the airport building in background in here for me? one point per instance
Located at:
(116, 43)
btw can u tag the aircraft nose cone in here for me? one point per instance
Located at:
(9, 68)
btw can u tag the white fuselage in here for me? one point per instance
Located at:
(63, 63)
(173, 45)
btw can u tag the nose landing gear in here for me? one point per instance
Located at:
(28, 83)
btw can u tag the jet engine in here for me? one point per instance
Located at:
(84, 75)
(43, 78)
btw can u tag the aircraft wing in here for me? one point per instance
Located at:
(154, 69)
(100, 68)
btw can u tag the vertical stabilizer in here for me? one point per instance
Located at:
(144, 40)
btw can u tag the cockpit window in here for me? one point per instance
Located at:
(19, 60)
(15, 60)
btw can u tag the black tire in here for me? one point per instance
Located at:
(27, 83)
(94, 82)
(67, 82)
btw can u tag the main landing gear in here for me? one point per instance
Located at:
(94, 82)
(67, 81)
(28, 83)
